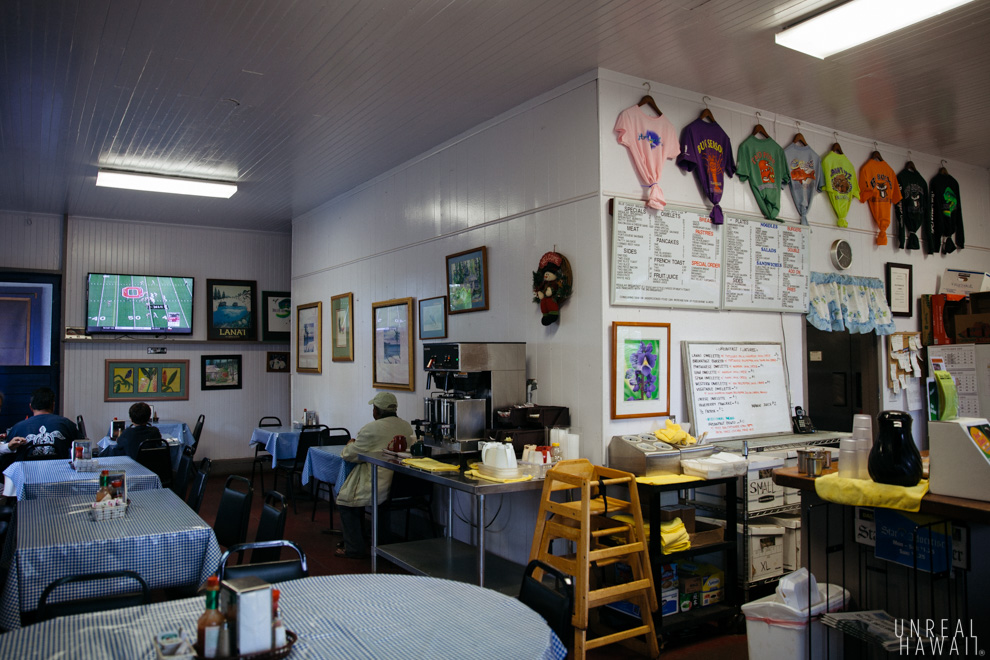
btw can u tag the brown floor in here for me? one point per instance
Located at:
(707, 644)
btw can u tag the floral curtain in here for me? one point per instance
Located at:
(845, 302)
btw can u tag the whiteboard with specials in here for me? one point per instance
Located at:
(671, 258)
(766, 266)
(736, 389)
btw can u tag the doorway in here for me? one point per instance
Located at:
(843, 378)
(30, 323)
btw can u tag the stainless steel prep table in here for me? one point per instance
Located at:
(447, 557)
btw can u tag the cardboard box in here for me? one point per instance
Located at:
(689, 584)
(668, 577)
(668, 602)
(712, 597)
(972, 329)
(791, 495)
(707, 533)
(710, 577)
(963, 282)
(685, 513)
(766, 551)
(761, 491)
(792, 540)
(688, 601)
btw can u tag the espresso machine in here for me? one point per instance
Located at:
(470, 381)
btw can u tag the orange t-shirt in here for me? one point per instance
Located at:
(878, 187)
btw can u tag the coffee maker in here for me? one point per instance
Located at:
(472, 380)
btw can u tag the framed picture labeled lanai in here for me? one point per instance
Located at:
(393, 344)
(467, 281)
(146, 380)
(231, 313)
(640, 370)
(309, 338)
(433, 318)
(276, 315)
(220, 372)
(342, 320)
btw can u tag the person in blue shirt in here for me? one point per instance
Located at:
(43, 435)
(140, 430)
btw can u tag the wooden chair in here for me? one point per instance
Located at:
(599, 541)
(97, 604)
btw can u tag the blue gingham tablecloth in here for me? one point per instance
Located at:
(280, 442)
(374, 617)
(326, 465)
(160, 538)
(35, 479)
(177, 434)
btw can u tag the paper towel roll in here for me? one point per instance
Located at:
(571, 446)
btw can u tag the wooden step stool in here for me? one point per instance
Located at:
(599, 541)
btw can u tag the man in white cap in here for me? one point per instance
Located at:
(355, 493)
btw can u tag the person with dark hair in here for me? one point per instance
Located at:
(140, 430)
(42, 436)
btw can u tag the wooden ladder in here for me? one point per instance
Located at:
(600, 541)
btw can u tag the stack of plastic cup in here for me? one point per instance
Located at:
(849, 458)
(863, 437)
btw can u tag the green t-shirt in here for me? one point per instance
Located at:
(840, 184)
(763, 163)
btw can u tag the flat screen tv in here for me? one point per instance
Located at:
(132, 304)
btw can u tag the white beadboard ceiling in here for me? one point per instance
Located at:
(301, 100)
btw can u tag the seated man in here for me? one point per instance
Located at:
(355, 493)
(42, 436)
(140, 430)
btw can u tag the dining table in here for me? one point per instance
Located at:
(175, 432)
(379, 617)
(29, 480)
(160, 538)
(279, 441)
(324, 464)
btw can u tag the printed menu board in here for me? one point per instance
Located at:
(736, 389)
(672, 258)
(766, 266)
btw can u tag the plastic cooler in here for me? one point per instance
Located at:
(776, 630)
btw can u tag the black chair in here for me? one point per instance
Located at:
(231, 522)
(154, 454)
(198, 488)
(97, 604)
(81, 425)
(197, 431)
(408, 493)
(271, 526)
(272, 571)
(180, 482)
(310, 436)
(338, 436)
(261, 455)
(555, 604)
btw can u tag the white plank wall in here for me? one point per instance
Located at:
(133, 247)
(30, 241)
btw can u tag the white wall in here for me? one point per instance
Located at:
(31, 241)
(134, 247)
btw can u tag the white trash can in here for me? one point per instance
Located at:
(776, 631)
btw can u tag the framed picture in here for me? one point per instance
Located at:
(220, 372)
(309, 338)
(640, 370)
(231, 312)
(276, 315)
(433, 318)
(277, 362)
(393, 345)
(467, 281)
(342, 335)
(900, 289)
(146, 380)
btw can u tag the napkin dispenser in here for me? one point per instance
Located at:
(247, 604)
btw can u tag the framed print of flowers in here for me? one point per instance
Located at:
(640, 370)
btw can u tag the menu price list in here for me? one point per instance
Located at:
(766, 266)
(670, 258)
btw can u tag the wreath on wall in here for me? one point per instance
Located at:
(552, 283)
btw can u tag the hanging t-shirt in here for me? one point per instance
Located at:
(840, 184)
(878, 188)
(707, 151)
(806, 176)
(912, 210)
(762, 162)
(946, 213)
(650, 141)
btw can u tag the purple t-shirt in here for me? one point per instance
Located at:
(707, 151)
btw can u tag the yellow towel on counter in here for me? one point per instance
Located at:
(664, 479)
(866, 492)
(629, 520)
(430, 465)
(674, 536)
(475, 474)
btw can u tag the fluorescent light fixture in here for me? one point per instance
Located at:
(165, 184)
(857, 22)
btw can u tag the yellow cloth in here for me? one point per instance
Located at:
(674, 536)
(475, 474)
(629, 520)
(663, 479)
(430, 465)
(866, 492)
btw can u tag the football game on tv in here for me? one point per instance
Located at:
(146, 304)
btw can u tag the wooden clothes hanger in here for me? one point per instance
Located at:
(648, 100)
(876, 153)
(910, 164)
(799, 137)
(836, 148)
(942, 169)
(706, 113)
(758, 129)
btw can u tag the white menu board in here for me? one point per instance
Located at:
(672, 258)
(766, 266)
(736, 389)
